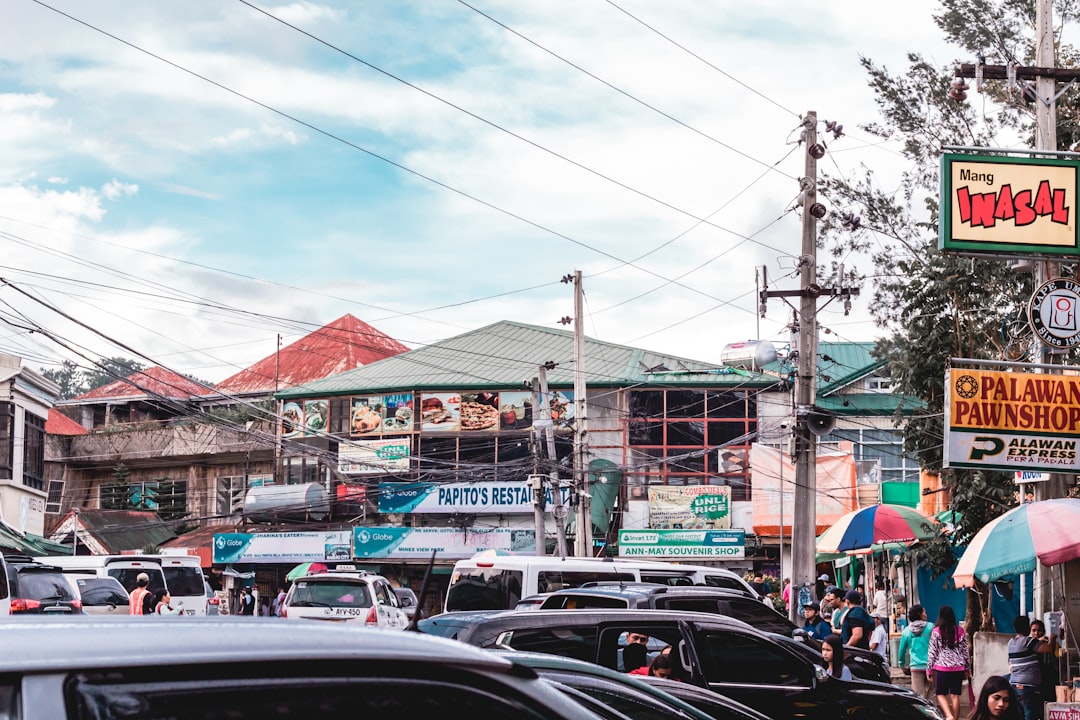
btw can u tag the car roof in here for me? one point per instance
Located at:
(29, 644)
(540, 618)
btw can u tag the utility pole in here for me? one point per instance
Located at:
(583, 541)
(536, 480)
(542, 421)
(804, 513)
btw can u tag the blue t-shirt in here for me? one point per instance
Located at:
(1023, 661)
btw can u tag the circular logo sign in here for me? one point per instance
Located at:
(1054, 312)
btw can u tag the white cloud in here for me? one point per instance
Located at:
(114, 190)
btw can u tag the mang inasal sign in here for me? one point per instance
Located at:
(997, 205)
(1012, 420)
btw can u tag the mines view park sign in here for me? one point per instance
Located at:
(1012, 421)
(1006, 205)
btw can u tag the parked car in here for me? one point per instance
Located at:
(100, 595)
(630, 695)
(36, 588)
(255, 668)
(862, 663)
(717, 652)
(213, 602)
(354, 597)
(408, 601)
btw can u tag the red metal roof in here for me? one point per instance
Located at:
(155, 381)
(345, 344)
(60, 424)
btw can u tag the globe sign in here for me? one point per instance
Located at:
(710, 507)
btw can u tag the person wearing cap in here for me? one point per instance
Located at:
(879, 638)
(815, 626)
(857, 624)
(139, 594)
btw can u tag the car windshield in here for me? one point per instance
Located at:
(129, 576)
(329, 593)
(101, 591)
(184, 580)
(44, 585)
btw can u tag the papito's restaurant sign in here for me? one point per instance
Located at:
(1001, 205)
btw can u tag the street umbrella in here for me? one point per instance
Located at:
(876, 527)
(1047, 531)
(308, 568)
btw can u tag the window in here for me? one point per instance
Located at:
(484, 589)
(577, 642)
(34, 452)
(7, 440)
(55, 502)
(230, 495)
(742, 659)
(885, 445)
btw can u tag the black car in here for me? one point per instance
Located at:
(35, 588)
(863, 664)
(772, 675)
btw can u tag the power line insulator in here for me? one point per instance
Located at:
(958, 90)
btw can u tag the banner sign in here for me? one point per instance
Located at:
(1012, 421)
(1001, 205)
(375, 457)
(478, 497)
(404, 543)
(283, 547)
(715, 544)
(693, 507)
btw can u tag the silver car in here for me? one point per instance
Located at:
(257, 668)
(101, 595)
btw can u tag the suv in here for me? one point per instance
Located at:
(713, 651)
(864, 664)
(197, 667)
(345, 595)
(35, 588)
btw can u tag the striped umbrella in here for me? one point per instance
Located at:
(1047, 531)
(876, 527)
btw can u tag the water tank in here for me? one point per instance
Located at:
(274, 502)
(751, 354)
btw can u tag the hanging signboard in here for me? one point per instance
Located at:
(1053, 313)
(374, 457)
(447, 542)
(1007, 205)
(692, 507)
(1012, 421)
(716, 544)
(282, 547)
(478, 497)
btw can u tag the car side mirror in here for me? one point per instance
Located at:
(820, 673)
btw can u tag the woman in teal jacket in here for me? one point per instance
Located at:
(914, 647)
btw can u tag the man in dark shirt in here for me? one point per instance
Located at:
(815, 626)
(858, 624)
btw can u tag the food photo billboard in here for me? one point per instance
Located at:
(1013, 421)
(1007, 205)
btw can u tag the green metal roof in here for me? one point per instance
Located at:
(507, 354)
(863, 404)
(842, 363)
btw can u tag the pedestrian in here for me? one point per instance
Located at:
(636, 652)
(759, 585)
(857, 624)
(833, 597)
(914, 646)
(138, 594)
(1048, 662)
(1025, 672)
(163, 603)
(785, 595)
(247, 602)
(881, 604)
(832, 652)
(662, 666)
(815, 626)
(879, 637)
(947, 662)
(997, 701)
(279, 601)
(820, 585)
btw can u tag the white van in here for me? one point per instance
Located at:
(490, 581)
(180, 574)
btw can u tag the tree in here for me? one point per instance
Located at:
(111, 369)
(68, 377)
(936, 307)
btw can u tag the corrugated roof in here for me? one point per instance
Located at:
(842, 363)
(123, 530)
(60, 424)
(862, 404)
(153, 382)
(507, 354)
(342, 345)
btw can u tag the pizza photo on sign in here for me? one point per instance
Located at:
(480, 411)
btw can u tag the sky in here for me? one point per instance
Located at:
(186, 182)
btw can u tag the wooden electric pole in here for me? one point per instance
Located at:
(583, 542)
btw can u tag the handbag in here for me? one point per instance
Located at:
(971, 692)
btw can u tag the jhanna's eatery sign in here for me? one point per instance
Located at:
(998, 205)
(1012, 421)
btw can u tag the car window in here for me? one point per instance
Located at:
(185, 581)
(101, 591)
(666, 579)
(305, 697)
(758, 614)
(739, 658)
(583, 602)
(577, 642)
(44, 585)
(385, 594)
(129, 576)
(330, 593)
(724, 582)
(552, 580)
(688, 604)
(484, 589)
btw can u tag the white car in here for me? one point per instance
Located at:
(345, 595)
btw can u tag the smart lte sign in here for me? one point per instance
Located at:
(1002, 205)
